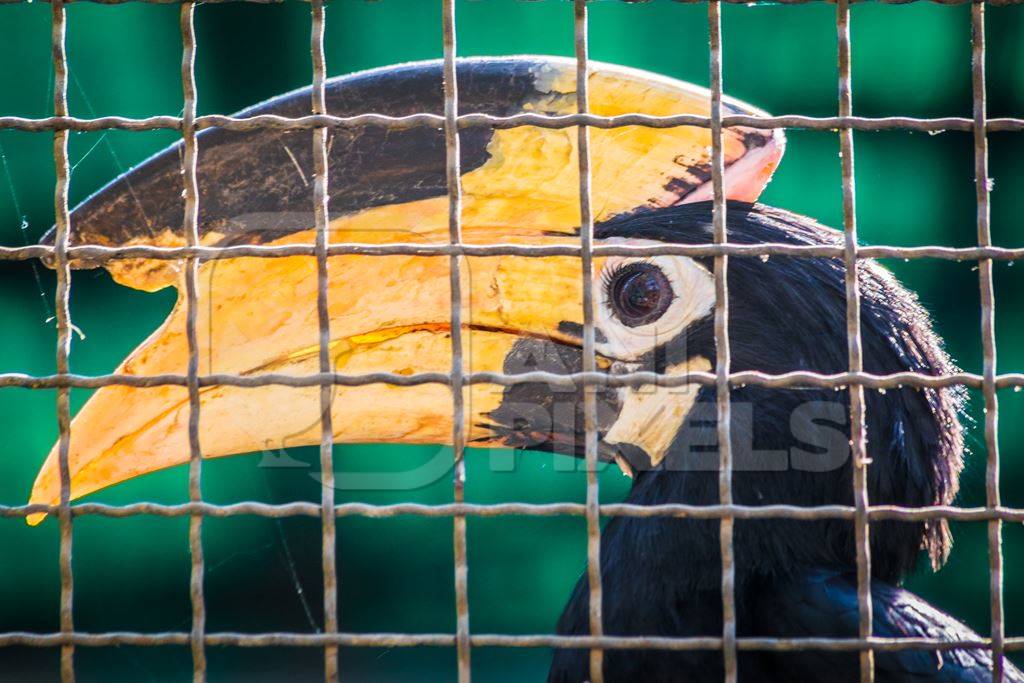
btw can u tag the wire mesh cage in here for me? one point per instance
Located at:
(319, 122)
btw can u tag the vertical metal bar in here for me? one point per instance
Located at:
(63, 221)
(321, 216)
(858, 439)
(722, 350)
(593, 511)
(454, 173)
(191, 228)
(988, 338)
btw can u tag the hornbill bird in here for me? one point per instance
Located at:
(661, 576)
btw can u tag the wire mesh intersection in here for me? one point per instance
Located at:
(320, 123)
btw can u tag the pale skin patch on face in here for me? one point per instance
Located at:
(693, 288)
(652, 415)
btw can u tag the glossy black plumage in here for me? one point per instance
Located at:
(813, 603)
(824, 603)
(661, 576)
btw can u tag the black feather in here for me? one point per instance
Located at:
(661, 576)
(823, 603)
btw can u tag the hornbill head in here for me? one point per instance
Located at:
(520, 313)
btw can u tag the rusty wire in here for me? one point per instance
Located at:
(453, 176)
(997, 3)
(855, 349)
(554, 121)
(796, 379)
(99, 254)
(189, 172)
(988, 340)
(322, 219)
(63, 313)
(723, 354)
(319, 122)
(679, 510)
(286, 639)
(592, 509)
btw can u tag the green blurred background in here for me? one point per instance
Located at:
(396, 574)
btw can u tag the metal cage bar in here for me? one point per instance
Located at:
(63, 314)
(996, 3)
(322, 220)
(678, 510)
(453, 171)
(320, 123)
(841, 380)
(723, 354)
(988, 339)
(478, 119)
(592, 511)
(319, 640)
(190, 226)
(101, 254)
(858, 436)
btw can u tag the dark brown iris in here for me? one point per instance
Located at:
(640, 293)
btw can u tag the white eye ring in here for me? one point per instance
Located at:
(693, 297)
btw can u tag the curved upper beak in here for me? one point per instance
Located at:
(387, 313)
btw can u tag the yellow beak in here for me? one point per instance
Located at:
(387, 313)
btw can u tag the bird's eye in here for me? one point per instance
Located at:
(639, 293)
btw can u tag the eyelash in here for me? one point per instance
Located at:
(608, 276)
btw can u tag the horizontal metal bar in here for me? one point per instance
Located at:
(995, 3)
(98, 254)
(475, 120)
(837, 381)
(678, 510)
(283, 639)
